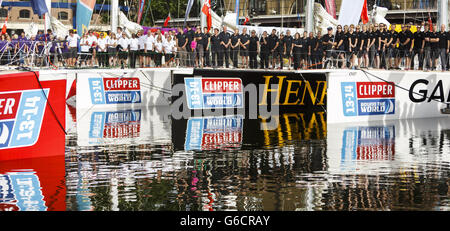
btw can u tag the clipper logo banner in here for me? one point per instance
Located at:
(119, 124)
(214, 93)
(368, 143)
(21, 191)
(214, 132)
(21, 115)
(368, 98)
(115, 90)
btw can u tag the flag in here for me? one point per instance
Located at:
(350, 12)
(141, 10)
(430, 22)
(206, 9)
(5, 26)
(166, 23)
(364, 15)
(84, 15)
(188, 10)
(330, 5)
(246, 20)
(39, 7)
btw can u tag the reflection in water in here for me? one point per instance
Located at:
(230, 163)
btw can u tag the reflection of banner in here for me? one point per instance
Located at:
(84, 15)
(25, 113)
(208, 133)
(122, 126)
(31, 185)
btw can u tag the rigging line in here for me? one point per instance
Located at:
(45, 95)
(100, 12)
(429, 98)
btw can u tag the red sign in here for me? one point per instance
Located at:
(368, 90)
(225, 85)
(121, 84)
(48, 129)
(8, 105)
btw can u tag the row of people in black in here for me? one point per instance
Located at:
(360, 46)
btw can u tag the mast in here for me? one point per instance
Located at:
(442, 13)
(114, 15)
(48, 15)
(309, 16)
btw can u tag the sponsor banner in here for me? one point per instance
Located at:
(123, 126)
(290, 91)
(108, 89)
(207, 133)
(207, 93)
(25, 112)
(368, 98)
(385, 95)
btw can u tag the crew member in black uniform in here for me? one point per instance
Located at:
(427, 47)
(273, 43)
(304, 51)
(235, 43)
(264, 51)
(404, 46)
(244, 43)
(384, 39)
(225, 43)
(318, 51)
(190, 34)
(418, 48)
(392, 47)
(253, 50)
(352, 49)
(443, 47)
(206, 46)
(280, 50)
(340, 39)
(311, 42)
(288, 47)
(215, 48)
(328, 44)
(296, 49)
(363, 51)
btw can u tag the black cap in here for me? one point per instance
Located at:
(330, 28)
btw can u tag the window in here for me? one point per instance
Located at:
(63, 15)
(3, 13)
(24, 14)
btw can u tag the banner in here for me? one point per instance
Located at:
(384, 95)
(364, 15)
(141, 9)
(85, 9)
(29, 126)
(330, 5)
(350, 12)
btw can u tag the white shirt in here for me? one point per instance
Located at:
(150, 41)
(123, 42)
(102, 44)
(158, 47)
(134, 44)
(92, 39)
(112, 43)
(84, 44)
(142, 41)
(169, 46)
(73, 40)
